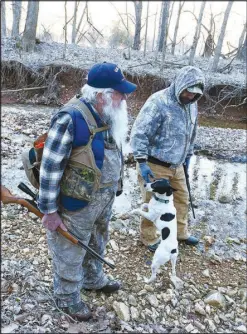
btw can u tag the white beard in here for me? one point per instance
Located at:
(117, 119)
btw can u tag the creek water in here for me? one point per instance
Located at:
(218, 187)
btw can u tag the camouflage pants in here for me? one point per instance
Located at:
(73, 267)
(148, 232)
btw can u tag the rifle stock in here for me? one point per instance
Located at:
(7, 198)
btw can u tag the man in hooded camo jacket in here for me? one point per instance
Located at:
(162, 139)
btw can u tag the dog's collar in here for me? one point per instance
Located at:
(161, 200)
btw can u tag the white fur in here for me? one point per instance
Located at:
(155, 210)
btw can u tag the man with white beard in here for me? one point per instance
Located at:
(80, 175)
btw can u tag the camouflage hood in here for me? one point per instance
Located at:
(187, 76)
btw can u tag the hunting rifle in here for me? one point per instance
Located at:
(7, 198)
(188, 187)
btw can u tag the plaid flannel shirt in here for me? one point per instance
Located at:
(56, 153)
(57, 150)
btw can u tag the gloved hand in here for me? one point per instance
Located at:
(52, 220)
(145, 171)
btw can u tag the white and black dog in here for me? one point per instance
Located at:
(162, 213)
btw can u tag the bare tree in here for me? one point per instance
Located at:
(197, 34)
(169, 20)
(127, 25)
(29, 34)
(163, 24)
(16, 7)
(170, 16)
(165, 18)
(241, 44)
(73, 35)
(181, 4)
(138, 24)
(221, 37)
(3, 20)
(65, 29)
(155, 20)
(242, 53)
(80, 33)
(145, 42)
(209, 41)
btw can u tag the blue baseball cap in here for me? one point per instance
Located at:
(108, 75)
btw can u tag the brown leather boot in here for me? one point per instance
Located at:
(78, 311)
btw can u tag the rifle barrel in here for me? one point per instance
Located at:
(188, 187)
(27, 190)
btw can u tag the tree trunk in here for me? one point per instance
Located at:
(73, 35)
(240, 43)
(163, 25)
(181, 3)
(197, 34)
(209, 47)
(166, 17)
(169, 20)
(145, 43)
(16, 6)
(3, 20)
(242, 54)
(127, 24)
(221, 37)
(159, 30)
(138, 24)
(79, 24)
(155, 20)
(170, 15)
(65, 30)
(29, 34)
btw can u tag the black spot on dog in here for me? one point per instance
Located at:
(167, 217)
(174, 251)
(165, 232)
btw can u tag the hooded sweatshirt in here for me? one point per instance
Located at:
(165, 128)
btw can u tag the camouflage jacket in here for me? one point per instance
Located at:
(164, 128)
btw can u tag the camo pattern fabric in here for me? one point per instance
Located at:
(73, 267)
(164, 128)
(78, 182)
(112, 165)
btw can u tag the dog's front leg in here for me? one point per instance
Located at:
(153, 276)
(142, 213)
(173, 261)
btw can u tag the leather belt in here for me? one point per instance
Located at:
(158, 162)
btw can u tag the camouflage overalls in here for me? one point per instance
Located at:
(73, 267)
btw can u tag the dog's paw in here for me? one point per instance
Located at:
(144, 207)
